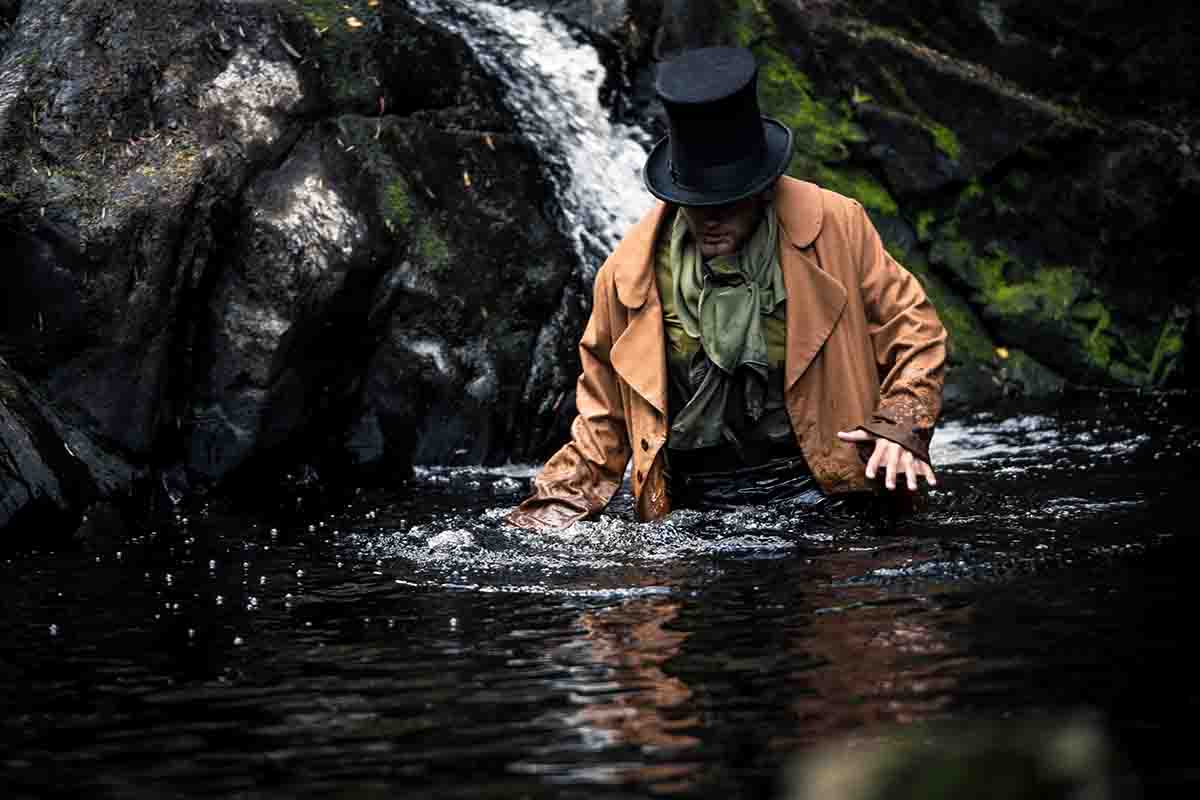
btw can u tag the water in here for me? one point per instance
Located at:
(552, 85)
(409, 643)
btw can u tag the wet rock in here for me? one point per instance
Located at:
(300, 238)
(244, 237)
(475, 266)
(51, 470)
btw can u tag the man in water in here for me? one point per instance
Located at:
(750, 341)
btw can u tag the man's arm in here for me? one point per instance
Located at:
(580, 479)
(910, 351)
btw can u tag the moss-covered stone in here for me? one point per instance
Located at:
(1169, 348)
(397, 204)
(825, 130)
(944, 138)
(346, 34)
(430, 248)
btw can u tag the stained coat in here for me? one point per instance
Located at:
(865, 349)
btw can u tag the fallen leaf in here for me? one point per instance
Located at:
(1002, 352)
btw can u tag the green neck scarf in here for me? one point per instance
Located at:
(722, 302)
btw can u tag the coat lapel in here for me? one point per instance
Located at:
(816, 299)
(815, 304)
(639, 355)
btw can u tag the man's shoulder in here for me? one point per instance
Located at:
(831, 212)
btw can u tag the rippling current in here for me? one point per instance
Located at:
(407, 643)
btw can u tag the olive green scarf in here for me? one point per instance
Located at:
(722, 302)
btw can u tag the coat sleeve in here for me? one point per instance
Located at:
(579, 480)
(909, 343)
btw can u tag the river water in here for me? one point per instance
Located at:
(408, 643)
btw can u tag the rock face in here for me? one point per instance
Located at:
(240, 237)
(1033, 166)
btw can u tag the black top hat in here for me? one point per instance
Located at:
(719, 148)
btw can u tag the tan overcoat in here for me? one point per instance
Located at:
(864, 349)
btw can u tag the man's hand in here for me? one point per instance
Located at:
(893, 458)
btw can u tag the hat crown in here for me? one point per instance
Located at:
(707, 75)
(718, 147)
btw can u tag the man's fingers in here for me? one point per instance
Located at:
(876, 459)
(910, 470)
(893, 463)
(892, 459)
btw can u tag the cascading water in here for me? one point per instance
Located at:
(552, 86)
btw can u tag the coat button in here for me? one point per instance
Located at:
(645, 445)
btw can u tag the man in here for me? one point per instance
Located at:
(749, 335)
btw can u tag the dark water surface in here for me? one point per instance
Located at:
(408, 644)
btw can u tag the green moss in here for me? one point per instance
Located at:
(1167, 351)
(431, 248)
(398, 210)
(859, 97)
(345, 49)
(944, 139)
(1050, 294)
(330, 15)
(924, 225)
(954, 252)
(973, 191)
(857, 183)
(824, 131)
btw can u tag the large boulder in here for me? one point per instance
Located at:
(244, 237)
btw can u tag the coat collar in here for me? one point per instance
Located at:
(798, 204)
(815, 299)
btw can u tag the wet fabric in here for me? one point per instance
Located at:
(723, 303)
(774, 481)
(694, 390)
(864, 349)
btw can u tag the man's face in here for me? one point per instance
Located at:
(722, 230)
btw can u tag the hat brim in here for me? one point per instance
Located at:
(657, 171)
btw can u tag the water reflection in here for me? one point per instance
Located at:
(409, 641)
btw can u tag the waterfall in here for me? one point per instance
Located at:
(552, 87)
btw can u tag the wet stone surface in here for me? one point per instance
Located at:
(408, 642)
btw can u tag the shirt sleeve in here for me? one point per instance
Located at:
(909, 343)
